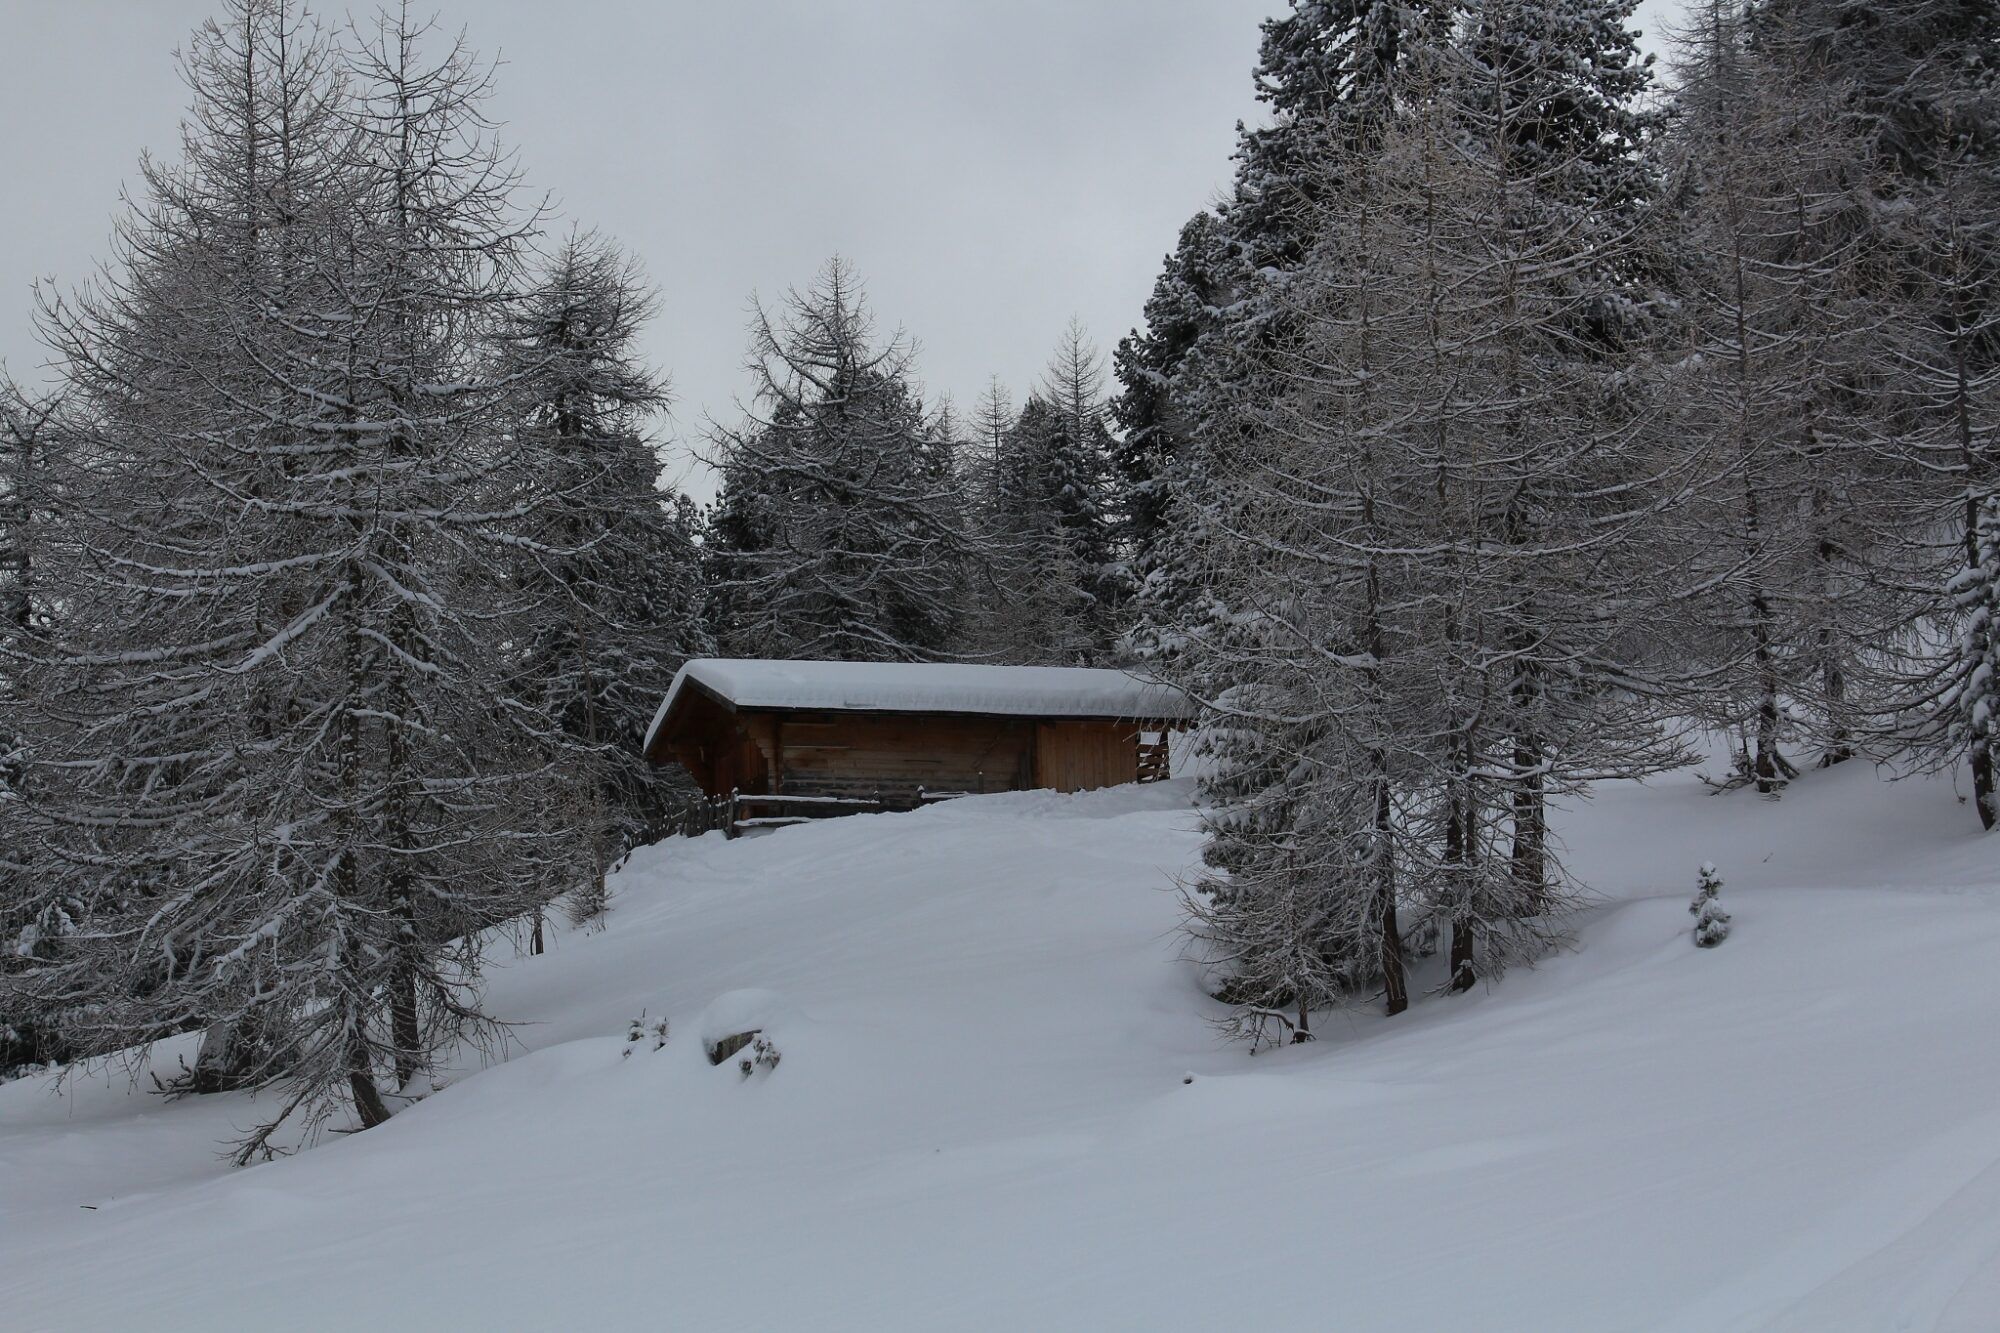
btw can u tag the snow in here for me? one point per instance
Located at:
(983, 1118)
(926, 687)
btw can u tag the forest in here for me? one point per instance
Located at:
(1521, 411)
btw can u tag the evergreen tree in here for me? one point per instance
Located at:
(612, 581)
(1152, 430)
(980, 457)
(1911, 83)
(1711, 923)
(1805, 528)
(1422, 545)
(1075, 448)
(836, 533)
(26, 435)
(278, 776)
(1036, 606)
(1326, 69)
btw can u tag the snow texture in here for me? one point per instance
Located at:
(928, 687)
(1002, 1107)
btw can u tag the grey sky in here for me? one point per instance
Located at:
(991, 167)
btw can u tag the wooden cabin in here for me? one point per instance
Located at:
(856, 735)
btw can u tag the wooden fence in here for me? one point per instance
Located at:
(742, 812)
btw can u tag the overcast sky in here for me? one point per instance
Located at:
(991, 167)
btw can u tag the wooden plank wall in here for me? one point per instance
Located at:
(833, 754)
(1083, 756)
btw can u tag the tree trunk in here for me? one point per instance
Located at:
(1457, 846)
(1772, 769)
(1463, 974)
(368, 1104)
(1395, 985)
(1984, 796)
(403, 1025)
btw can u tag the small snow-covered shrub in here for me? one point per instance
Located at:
(639, 1030)
(763, 1055)
(1711, 923)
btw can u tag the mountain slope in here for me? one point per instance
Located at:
(981, 1119)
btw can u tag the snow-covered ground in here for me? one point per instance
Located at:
(981, 1118)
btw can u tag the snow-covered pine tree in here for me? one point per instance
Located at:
(1153, 432)
(145, 733)
(1916, 92)
(1554, 95)
(982, 632)
(1034, 604)
(278, 771)
(1513, 189)
(26, 431)
(836, 532)
(1939, 686)
(979, 459)
(1048, 585)
(1286, 627)
(1325, 69)
(1974, 701)
(1429, 538)
(612, 582)
(1077, 468)
(26, 436)
(25, 422)
(1711, 923)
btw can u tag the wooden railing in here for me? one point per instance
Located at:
(741, 812)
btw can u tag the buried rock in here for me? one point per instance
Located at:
(763, 1053)
(735, 1024)
(724, 1047)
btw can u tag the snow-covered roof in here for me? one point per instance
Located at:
(925, 687)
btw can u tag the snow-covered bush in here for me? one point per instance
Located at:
(639, 1030)
(1711, 923)
(763, 1055)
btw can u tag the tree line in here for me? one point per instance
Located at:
(341, 580)
(1513, 411)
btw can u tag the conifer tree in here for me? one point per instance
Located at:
(1911, 85)
(612, 584)
(1425, 540)
(1326, 70)
(1076, 464)
(836, 533)
(1037, 607)
(1785, 274)
(278, 775)
(1711, 923)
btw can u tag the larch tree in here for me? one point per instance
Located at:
(281, 787)
(1914, 89)
(1789, 338)
(1427, 540)
(26, 436)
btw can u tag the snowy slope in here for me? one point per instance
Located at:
(980, 1119)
